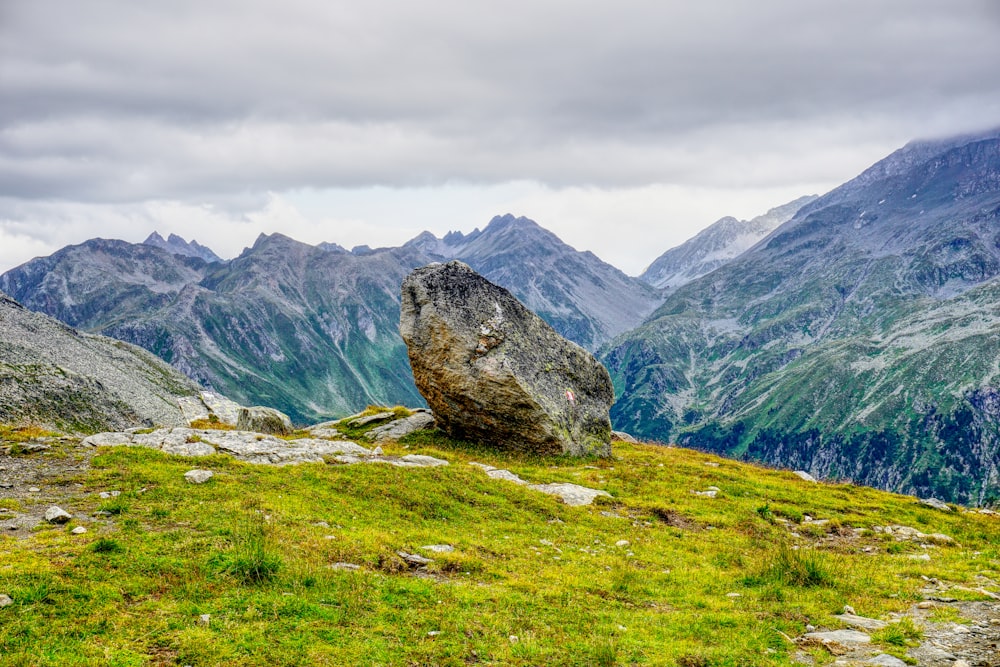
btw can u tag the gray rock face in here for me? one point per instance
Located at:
(492, 371)
(264, 420)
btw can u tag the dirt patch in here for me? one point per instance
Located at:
(36, 475)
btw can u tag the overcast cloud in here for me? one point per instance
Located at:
(624, 127)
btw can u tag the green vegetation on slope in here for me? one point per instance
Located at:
(238, 571)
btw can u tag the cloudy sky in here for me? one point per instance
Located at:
(624, 127)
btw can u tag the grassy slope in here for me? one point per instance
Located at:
(132, 590)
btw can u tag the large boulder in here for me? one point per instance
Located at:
(494, 372)
(264, 420)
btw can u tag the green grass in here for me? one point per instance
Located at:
(702, 582)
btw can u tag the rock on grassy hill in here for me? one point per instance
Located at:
(677, 558)
(53, 375)
(858, 341)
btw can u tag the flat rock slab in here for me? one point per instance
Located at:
(571, 494)
(862, 622)
(839, 637)
(886, 660)
(243, 445)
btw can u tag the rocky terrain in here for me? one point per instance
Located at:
(857, 341)
(56, 376)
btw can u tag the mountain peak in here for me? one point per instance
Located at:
(178, 246)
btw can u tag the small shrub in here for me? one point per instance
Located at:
(252, 559)
(793, 568)
(106, 545)
(902, 633)
(765, 513)
(692, 660)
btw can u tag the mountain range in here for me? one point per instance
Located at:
(312, 330)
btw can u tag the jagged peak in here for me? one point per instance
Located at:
(154, 239)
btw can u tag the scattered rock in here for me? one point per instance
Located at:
(622, 543)
(5, 600)
(936, 504)
(571, 494)
(34, 489)
(394, 430)
(923, 557)
(711, 493)
(345, 566)
(57, 515)
(414, 560)
(198, 476)
(494, 372)
(803, 475)
(886, 660)
(264, 420)
(79, 530)
(204, 619)
(439, 548)
(622, 436)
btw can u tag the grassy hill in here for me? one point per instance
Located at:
(241, 570)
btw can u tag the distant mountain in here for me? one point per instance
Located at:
(583, 298)
(53, 375)
(717, 244)
(178, 246)
(859, 340)
(312, 330)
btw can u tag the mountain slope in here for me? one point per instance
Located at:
(583, 298)
(859, 340)
(720, 242)
(53, 375)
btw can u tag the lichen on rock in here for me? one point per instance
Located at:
(494, 372)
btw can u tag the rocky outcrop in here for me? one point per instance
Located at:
(493, 372)
(264, 420)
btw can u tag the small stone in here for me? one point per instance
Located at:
(803, 475)
(923, 557)
(886, 660)
(204, 619)
(34, 489)
(848, 609)
(926, 604)
(414, 560)
(433, 633)
(321, 524)
(513, 639)
(439, 548)
(622, 543)
(810, 628)
(840, 637)
(79, 530)
(56, 514)
(960, 663)
(198, 476)
(377, 451)
(733, 595)
(5, 600)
